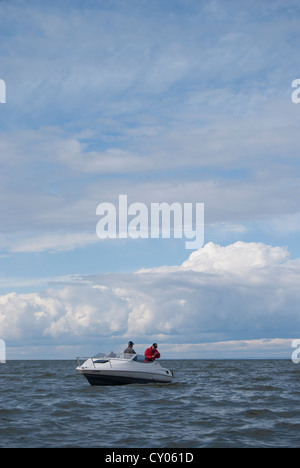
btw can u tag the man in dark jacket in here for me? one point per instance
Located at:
(130, 349)
(151, 353)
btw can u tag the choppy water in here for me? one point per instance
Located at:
(210, 404)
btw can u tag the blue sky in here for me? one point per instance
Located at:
(165, 101)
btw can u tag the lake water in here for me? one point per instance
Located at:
(230, 403)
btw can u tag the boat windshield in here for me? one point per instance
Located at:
(112, 355)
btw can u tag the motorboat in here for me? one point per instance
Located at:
(121, 369)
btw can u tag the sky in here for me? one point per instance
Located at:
(174, 101)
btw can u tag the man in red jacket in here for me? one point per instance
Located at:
(151, 353)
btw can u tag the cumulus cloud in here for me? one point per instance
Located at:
(233, 259)
(240, 293)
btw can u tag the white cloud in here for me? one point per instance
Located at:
(239, 293)
(62, 314)
(235, 259)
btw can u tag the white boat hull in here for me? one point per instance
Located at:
(122, 371)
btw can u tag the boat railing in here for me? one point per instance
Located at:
(102, 358)
(112, 356)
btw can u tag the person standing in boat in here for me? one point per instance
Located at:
(151, 353)
(130, 349)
